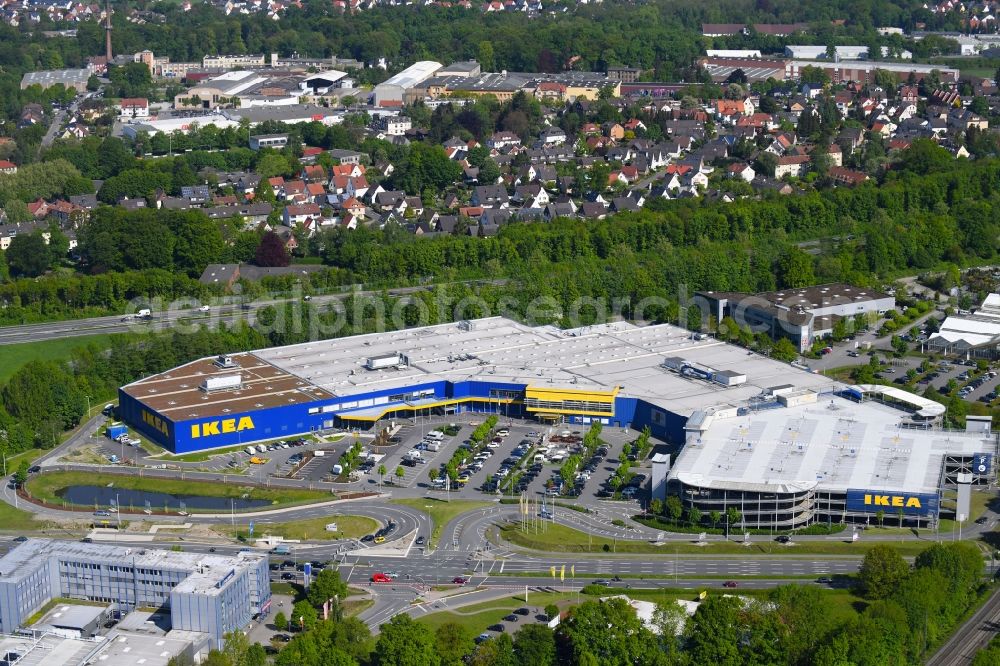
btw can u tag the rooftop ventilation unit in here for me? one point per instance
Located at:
(225, 361)
(466, 325)
(387, 361)
(222, 383)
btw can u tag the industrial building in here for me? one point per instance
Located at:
(619, 373)
(802, 315)
(810, 52)
(970, 334)
(393, 91)
(203, 593)
(70, 78)
(793, 457)
(839, 72)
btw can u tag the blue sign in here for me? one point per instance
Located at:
(251, 528)
(981, 463)
(892, 502)
(307, 569)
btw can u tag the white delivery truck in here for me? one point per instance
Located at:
(144, 313)
(435, 435)
(434, 446)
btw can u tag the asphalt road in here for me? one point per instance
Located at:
(188, 315)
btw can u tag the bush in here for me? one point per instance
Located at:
(551, 611)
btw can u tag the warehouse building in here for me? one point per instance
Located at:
(802, 315)
(970, 334)
(861, 454)
(71, 78)
(394, 90)
(617, 373)
(209, 594)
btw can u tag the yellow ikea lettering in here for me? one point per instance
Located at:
(155, 422)
(898, 501)
(219, 427)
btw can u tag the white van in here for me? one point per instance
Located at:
(144, 312)
(434, 446)
(251, 450)
(539, 458)
(435, 435)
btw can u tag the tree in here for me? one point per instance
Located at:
(882, 569)
(714, 516)
(28, 255)
(733, 516)
(795, 268)
(656, 506)
(403, 642)
(255, 656)
(271, 251)
(453, 642)
(21, 475)
(551, 611)
(236, 647)
(327, 585)
(784, 350)
(673, 508)
(280, 621)
(607, 632)
(535, 644)
(497, 651)
(400, 473)
(304, 615)
(714, 632)
(485, 56)
(694, 516)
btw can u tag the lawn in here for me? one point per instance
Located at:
(475, 618)
(16, 520)
(14, 461)
(13, 357)
(46, 485)
(310, 529)
(559, 538)
(441, 511)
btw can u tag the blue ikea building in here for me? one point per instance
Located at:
(615, 373)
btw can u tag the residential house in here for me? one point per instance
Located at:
(844, 176)
(299, 213)
(503, 140)
(741, 170)
(132, 107)
(552, 136)
(7, 167)
(490, 196)
(791, 165)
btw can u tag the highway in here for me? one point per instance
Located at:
(189, 315)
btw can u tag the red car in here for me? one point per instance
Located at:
(380, 578)
(460, 581)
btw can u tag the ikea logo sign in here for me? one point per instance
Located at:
(155, 422)
(896, 501)
(221, 427)
(913, 504)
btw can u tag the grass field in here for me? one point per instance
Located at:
(45, 486)
(13, 357)
(16, 520)
(441, 511)
(14, 461)
(475, 618)
(310, 529)
(562, 539)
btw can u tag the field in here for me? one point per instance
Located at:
(310, 529)
(16, 520)
(441, 512)
(45, 487)
(561, 539)
(475, 618)
(13, 357)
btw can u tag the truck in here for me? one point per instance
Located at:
(144, 313)
(116, 430)
(434, 446)
(413, 454)
(319, 454)
(251, 450)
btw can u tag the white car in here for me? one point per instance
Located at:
(204, 308)
(493, 445)
(503, 432)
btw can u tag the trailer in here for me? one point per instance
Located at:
(116, 430)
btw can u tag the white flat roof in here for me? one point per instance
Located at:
(831, 445)
(414, 74)
(502, 350)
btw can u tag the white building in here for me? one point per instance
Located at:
(391, 92)
(972, 335)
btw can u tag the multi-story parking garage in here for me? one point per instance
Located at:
(861, 453)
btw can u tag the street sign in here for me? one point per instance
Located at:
(251, 528)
